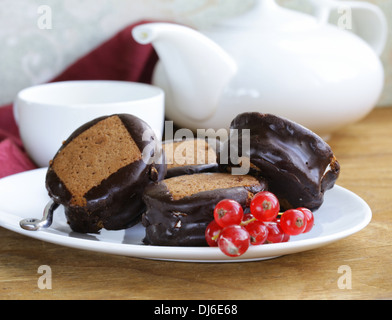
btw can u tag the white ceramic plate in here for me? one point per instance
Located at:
(24, 196)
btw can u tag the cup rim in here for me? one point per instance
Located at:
(30, 94)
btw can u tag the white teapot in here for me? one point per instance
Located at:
(271, 60)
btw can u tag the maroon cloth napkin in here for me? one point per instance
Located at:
(119, 58)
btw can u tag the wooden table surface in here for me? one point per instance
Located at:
(364, 151)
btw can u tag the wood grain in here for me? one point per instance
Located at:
(365, 154)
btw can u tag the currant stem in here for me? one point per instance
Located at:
(244, 223)
(215, 237)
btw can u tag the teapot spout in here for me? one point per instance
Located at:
(197, 69)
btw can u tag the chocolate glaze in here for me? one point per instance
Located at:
(183, 222)
(117, 202)
(298, 165)
(192, 169)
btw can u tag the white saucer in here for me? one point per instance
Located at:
(23, 195)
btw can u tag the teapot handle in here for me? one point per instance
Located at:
(368, 20)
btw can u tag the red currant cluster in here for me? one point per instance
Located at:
(233, 231)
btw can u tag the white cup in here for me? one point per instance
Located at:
(47, 114)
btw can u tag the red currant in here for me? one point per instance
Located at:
(234, 240)
(275, 232)
(293, 222)
(309, 219)
(228, 212)
(258, 232)
(212, 233)
(264, 206)
(286, 238)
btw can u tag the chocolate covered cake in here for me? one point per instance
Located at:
(189, 156)
(298, 165)
(100, 172)
(180, 208)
